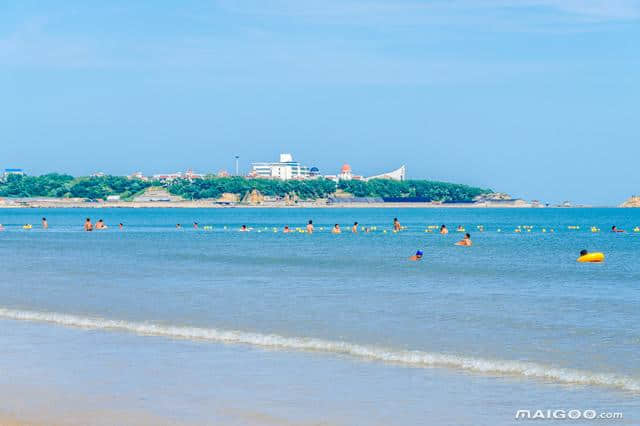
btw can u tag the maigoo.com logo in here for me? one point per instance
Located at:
(566, 415)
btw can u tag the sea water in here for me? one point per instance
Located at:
(213, 325)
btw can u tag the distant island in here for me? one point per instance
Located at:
(212, 187)
(61, 189)
(633, 201)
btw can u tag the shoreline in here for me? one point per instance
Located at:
(212, 205)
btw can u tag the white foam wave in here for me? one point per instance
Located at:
(376, 353)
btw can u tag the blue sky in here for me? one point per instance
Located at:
(538, 98)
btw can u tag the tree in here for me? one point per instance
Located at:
(62, 185)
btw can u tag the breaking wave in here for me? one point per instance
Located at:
(367, 352)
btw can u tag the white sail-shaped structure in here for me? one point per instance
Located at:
(398, 174)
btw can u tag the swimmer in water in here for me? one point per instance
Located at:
(310, 227)
(45, 224)
(336, 229)
(243, 228)
(583, 253)
(100, 224)
(1, 227)
(286, 229)
(178, 226)
(417, 256)
(460, 228)
(88, 226)
(466, 241)
(396, 224)
(354, 228)
(444, 230)
(195, 225)
(120, 225)
(615, 229)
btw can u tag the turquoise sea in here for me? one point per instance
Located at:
(216, 326)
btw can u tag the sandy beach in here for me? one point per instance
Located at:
(8, 421)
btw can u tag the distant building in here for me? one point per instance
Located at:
(398, 174)
(97, 174)
(167, 176)
(8, 172)
(137, 175)
(189, 174)
(222, 173)
(284, 169)
(346, 174)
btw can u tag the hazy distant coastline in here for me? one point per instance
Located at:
(65, 191)
(212, 204)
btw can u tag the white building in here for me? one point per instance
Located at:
(189, 175)
(284, 169)
(167, 176)
(137, 175)
(8, 172)
(346, 174)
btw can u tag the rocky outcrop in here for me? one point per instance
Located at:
(493, 196)
(253, 197)
(291, 199)
(342, 194)
(228, 197)
(633, 201)
(156, 193)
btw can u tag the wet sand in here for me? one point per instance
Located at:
(33, 406)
